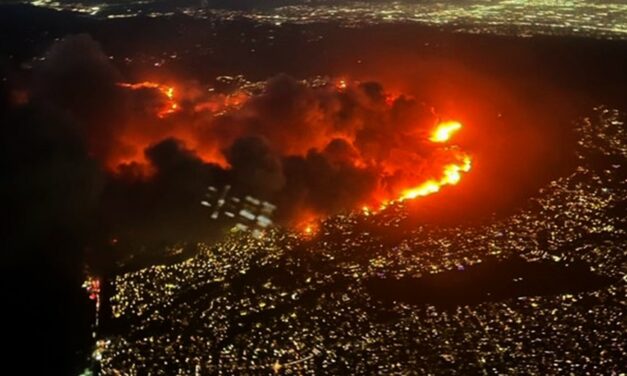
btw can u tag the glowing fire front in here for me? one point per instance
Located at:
(338, 128)
(445, 131)
(169, 107)
(451, 173)
(450, 176)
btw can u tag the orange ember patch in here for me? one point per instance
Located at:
(451, 175)
(309, 229)
(220, 103)
(341, 85)
(308, 224)
(444, 131)
(170, 107)
(401, 172)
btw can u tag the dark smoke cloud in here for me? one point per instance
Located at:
(77, 78)
(166, 206)
(316, 184)
(254, 166)
(309, 150)
(294, 117)
(52, 189)
(51, 183)
(333, 144)
(288, 114)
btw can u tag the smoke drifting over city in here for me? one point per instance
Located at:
(312, 148)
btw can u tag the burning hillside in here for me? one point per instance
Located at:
(312, 147)
(383, 147)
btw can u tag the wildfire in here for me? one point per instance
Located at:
(170, 107)
(444, 131)
(308, 224)
(341, 85)
(309, 228)
(398, 167)
(451, 175)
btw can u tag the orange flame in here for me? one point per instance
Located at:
(341, 85)
(451, 173)
(405, 181)
(444, 131)
(308, 229)
(450, 176)
(170, 107)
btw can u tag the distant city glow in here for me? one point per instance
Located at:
(519, 17)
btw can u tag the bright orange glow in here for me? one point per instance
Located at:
(341, 85)
(308, 224)
(384, 205)
(391, 98)
(444, 131)
(170, 107)
(417, 161)
(220, 103)
(451, 175)
(426, 188)
(309, 229)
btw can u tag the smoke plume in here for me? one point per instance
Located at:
(312, 147)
